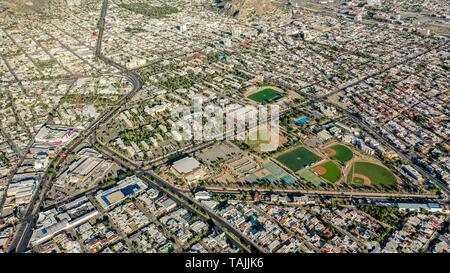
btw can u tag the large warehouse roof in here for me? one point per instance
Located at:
(186, 165)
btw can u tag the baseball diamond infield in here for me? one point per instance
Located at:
(329, 171)
(340, 153)
(370, 174)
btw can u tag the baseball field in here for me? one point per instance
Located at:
(340, 153)
(371, 175)
(329, 171)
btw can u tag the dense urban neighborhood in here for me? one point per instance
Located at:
(236, 126)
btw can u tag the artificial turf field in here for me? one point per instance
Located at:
(298, 158)
(265, 95)
(332, 171)
(379, 176)
(310, 177)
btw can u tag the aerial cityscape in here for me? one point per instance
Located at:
(224, 126)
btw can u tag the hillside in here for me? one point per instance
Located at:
(24, 5)
(247, 8)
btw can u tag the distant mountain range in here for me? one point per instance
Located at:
(247, 8)
(24, 5)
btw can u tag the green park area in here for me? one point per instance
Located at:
(265, 96)
(298, 158)
(150, 10)
(372, 175)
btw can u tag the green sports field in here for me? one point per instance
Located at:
(379, 176)
(265, 95)
(343, 153)
(333, 172)
(298, 158)
(310, 177)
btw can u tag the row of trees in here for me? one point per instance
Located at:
(384, 214)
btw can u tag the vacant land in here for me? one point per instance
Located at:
(298, 158)
(377, 176)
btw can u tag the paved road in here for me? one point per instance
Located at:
(179, 196)
(190, 200)
(21, 237)
(324, 193)
(386, 143)
(101, 27)
(367, 127)
(19, 242)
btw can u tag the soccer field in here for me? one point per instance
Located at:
(298, 158)
(265, 95)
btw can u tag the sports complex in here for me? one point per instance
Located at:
(371, 175)
(298, 158)
(339, 152)
(340, 165)
(329, 171)
(265, 95)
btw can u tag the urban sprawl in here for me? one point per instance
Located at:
(359, 162)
